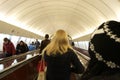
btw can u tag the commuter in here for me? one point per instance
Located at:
(104, 50)
(8, 48)
(37, 43)
(32, 46)
(60, 58)
(21, 47)
(44, 42)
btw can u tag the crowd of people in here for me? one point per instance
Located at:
(103, 50)
(9, 48)
(62, 60)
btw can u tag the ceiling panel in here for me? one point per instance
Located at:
(77, 17)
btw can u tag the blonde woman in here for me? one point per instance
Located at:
(59, 56)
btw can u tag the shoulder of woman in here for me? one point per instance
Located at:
(71, 51)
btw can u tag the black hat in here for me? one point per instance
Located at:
(105, 44)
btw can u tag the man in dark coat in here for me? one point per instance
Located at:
(44, 42)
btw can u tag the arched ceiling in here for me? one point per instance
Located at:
(77, 17)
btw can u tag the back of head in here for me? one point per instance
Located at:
(61, 37)
(46, 36)
(105, 44)
(59, 43)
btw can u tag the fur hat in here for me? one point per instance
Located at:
(105, 44)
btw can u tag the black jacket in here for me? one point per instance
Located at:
(59, 66)
(21, 48)
(44, 43)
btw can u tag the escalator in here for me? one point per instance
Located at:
(24, 66)
(84, 59)
(20, 67)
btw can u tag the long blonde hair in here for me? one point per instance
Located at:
(59, 43)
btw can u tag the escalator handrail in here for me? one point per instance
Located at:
(83, 56)
(17, 56)
(16, 66)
